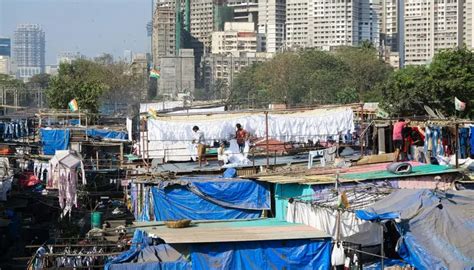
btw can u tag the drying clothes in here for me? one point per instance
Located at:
(15, 129)
(173, 133)
(5, 187)
(64, 168)
(471, 140)
(463, 141)
(325, 219)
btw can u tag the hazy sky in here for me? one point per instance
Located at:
(91, 27)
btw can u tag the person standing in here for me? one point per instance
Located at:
(241, 135)
(397, 137)
(199, 140)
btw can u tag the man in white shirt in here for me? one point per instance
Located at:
(201, 146)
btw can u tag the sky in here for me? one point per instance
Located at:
(91, 27)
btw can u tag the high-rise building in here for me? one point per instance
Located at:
(4, 64)
(271, 24)
(164, 33)
(29, 50)
(237, 37)
(325, 24)
(208, 16)
(468, 20)
(68, 57)
(430, 26)
(245, 11)
(389, 25)
(177, 75)
(5, 47)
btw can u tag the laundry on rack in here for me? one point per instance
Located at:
(64, 168)
(40, 170)
(15, 129)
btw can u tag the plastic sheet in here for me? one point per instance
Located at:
(107, 134)
(262, 255)
(204, 199)
(54, 139)
(436, 228)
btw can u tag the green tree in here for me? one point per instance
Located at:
(80, 80)
(40, 80)
(450, 75)
(367, 71)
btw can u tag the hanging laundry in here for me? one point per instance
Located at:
(64, 169)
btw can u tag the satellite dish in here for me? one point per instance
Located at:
(430, 112)
(440, 114)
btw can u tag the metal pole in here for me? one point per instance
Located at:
(266, 137)
(382, 253)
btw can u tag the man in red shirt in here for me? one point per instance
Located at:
(397, 137)
(241, 135)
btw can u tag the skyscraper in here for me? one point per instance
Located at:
(29, 50)
(271, 24)
(325, 24)
(430, 26)
(5, 46)
(468, 20)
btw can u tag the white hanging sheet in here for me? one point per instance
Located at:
(170, 136)
(325, 219)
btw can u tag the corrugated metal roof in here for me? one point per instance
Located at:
(232, 231)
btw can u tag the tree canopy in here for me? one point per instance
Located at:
(450, 75)
(311, 76)
(92, 83)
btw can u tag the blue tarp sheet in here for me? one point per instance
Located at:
(437, 229)
(54, 139)
(258, 255)
(263, 255)
(142, 256)
(107, 134)
(201, 198)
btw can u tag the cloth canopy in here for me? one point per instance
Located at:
(171, 137)
(436, 228)
(200, 198)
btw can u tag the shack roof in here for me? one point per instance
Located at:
(231, 231)
(351, 174)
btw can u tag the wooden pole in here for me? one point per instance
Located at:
(456, 145)
(266, 136)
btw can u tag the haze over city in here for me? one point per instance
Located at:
(91, 27)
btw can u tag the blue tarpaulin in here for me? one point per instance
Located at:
(107, 134)
(142, 256)
(54, 139)
(436, 228)
(201, 198)
(263, 255)
(258, 255)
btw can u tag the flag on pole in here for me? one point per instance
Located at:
(73, 105)
(155, 74)
(459, 105)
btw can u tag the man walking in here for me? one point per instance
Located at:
(199, 140)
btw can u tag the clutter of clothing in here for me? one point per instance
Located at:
(16, 129)
(45, 257)
(66, 169)
(171, 138)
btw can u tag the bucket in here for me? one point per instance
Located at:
(96, 220)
